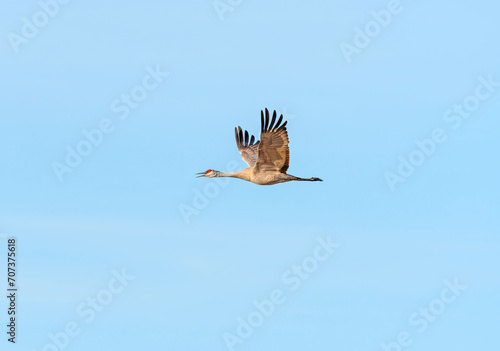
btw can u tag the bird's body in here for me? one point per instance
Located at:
(261, 178)
(267, 159)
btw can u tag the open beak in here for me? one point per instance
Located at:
(201, 174)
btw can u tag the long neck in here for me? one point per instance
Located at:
(243, 174)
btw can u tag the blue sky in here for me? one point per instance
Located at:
(351, 120)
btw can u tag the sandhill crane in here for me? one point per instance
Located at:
(267, 159)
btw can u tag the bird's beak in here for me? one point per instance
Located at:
(201, 174)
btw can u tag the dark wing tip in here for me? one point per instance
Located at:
(279, 122)
(236, 134)
(273, 120)
(267, 120)
(261, 121)
(246, 138)
(240, 135)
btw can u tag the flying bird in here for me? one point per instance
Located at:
(267, 159)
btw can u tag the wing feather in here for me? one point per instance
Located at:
(273, 151)
(248, 149)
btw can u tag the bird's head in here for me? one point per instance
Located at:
(209, 174)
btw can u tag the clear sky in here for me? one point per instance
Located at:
(395, 105)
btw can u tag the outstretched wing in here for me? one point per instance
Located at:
(273, 152)
(247, 148)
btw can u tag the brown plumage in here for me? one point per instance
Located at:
(268, 159)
